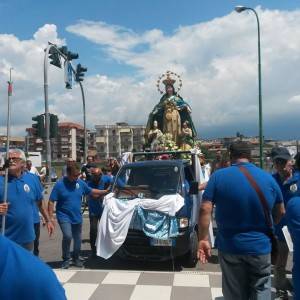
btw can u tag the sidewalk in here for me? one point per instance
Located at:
(132, 285)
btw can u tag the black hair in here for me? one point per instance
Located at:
(72, 169)
(240, 149)
(172, 86)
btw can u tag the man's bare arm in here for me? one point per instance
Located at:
(99, 193)
(278, 212)
(204, 219)
(204, 247)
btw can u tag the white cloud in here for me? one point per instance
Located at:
(218, 63)
(217, 60)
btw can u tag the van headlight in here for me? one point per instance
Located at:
(183, 222)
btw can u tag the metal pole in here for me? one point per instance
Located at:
(7, 151)
(47, 114)
(84, 123)
(260, 113)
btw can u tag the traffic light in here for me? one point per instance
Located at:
(72, 55)
(54, 57)
(53, 126)
(80, 70)
(39, 126)
(63, 50)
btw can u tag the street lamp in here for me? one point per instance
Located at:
(240, 9)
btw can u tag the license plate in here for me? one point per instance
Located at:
(162, 243)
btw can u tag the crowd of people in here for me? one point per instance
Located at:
(251, 209)
(24, 209)
(247, 201)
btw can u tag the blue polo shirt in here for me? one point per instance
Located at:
(240, 218)
(96, 205)
(293, 223)
(67, 195)
(24, 276)
(39, 188)
(22, 196)
(287, 192)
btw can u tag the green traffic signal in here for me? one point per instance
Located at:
(39, 126)
(72, 55)
(80, 70)
(53, 126)
(54, 57)
(63, 50)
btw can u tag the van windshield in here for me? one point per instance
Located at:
(146, 182)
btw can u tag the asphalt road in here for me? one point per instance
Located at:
(50, 252)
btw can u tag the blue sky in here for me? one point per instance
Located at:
(23, 17)
(127, 44)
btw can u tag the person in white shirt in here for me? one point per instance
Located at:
(204, 172)
(31, 169)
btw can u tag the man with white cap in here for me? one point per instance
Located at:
(22, 196)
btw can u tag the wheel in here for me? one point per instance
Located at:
(190, 259)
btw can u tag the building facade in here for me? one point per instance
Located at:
(69, 142)
(14, 142)
(113, 140)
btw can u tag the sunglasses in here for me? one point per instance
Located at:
(15, 158)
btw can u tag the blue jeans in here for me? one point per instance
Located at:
(70, 231)
(246, 277)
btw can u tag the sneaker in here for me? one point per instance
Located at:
(78, 263)
(281, 295)
(65, 264)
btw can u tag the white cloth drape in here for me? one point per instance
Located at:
(115, 220)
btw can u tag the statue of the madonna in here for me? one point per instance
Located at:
(170, 96)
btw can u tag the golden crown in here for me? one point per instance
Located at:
(167, 79)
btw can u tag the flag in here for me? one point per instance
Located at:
(9, 90)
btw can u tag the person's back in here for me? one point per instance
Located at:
(240, 218)
(243, 236)
(293, 222)
(23, 276)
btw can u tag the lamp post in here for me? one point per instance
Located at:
(240, 9)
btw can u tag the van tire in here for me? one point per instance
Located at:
(190, 259)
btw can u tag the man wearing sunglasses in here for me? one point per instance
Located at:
(67, 193)
(23, 195)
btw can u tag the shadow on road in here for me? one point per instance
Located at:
(116, 263)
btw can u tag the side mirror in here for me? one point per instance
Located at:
(194, 188)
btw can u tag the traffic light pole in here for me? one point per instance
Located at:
(84, 123)
(7, 153)
(47, 114)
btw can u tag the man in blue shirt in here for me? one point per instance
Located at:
(22, 196)
(293, 222)
(39, 207)
(23, 276)
(101, 182)
(242, 238)
(67, 193)
(283, 165)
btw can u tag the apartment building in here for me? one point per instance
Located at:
(113, 140)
